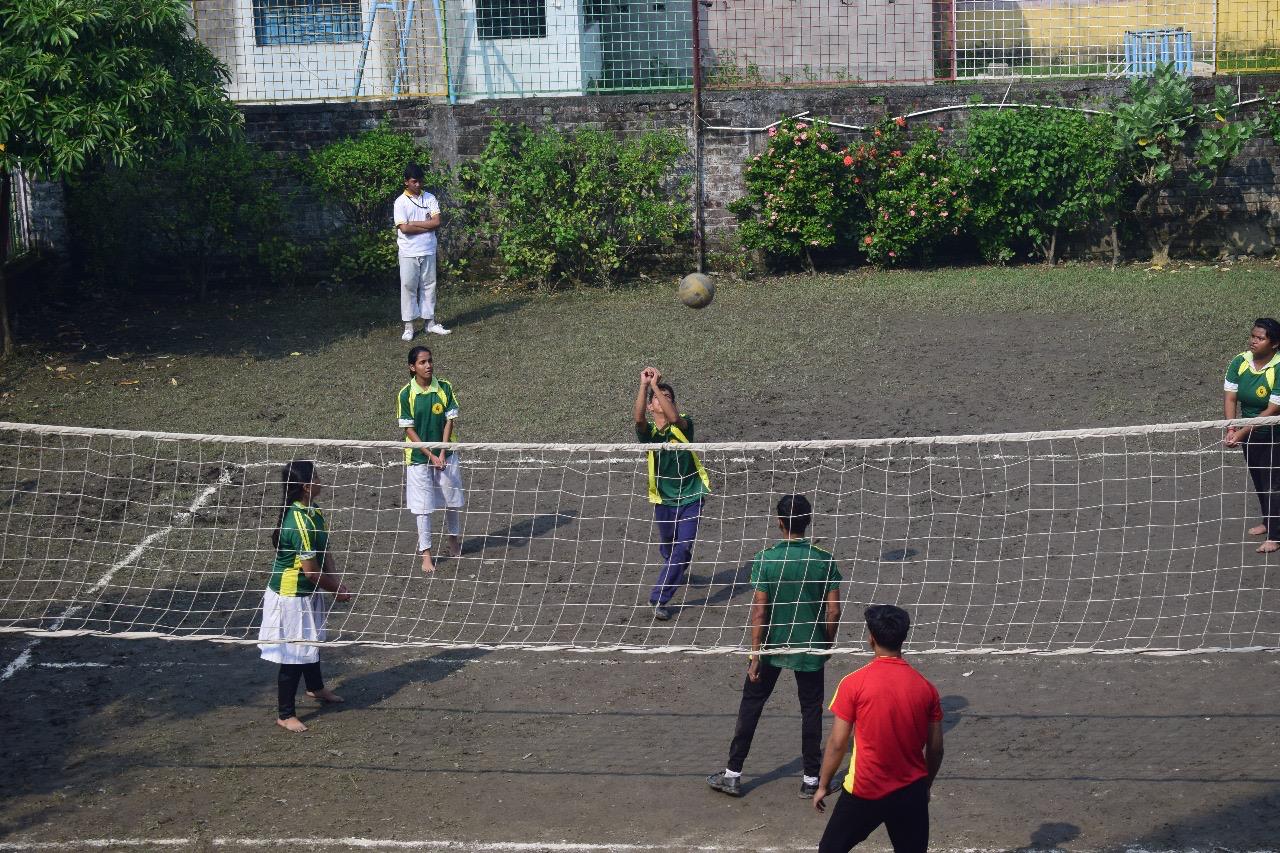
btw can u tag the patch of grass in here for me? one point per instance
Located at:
(807, 356)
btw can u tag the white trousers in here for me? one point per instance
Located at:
(427, 489)
(417, 288)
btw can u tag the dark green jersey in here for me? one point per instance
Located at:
(303, 536)
(1255, 389)
(676, 477)
(796, 576)
(427, 410)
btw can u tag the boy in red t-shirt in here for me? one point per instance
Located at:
(895, 717)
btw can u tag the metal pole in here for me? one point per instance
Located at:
(699, 239)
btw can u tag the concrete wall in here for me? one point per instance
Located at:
(1248, 198)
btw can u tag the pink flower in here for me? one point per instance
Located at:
(941, 129)
(866, 241)
(893, 254)
(824, 147)
(900, 121)
(801, 125)
(773, 131)
(885, 217)
(944, 214)
(857, 180)
(911, 212)
(895, 153)
(798, 139)
(848, 161)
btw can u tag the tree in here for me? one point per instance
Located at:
(89, 82)
(1177, 149)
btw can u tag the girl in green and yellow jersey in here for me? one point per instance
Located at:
(293, 606)
(1250, 388)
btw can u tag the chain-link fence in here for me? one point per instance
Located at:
(286, 50)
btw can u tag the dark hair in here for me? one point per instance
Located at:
(663, 386)
(413, 170)
(295, 475)
(1271, 327)
(888, 625)
(795, 513)
(417, 351)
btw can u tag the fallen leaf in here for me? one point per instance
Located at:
(295, 353)
(173, 381)
(127, 382)
(96, 362)
(112, 358)
(62, 368)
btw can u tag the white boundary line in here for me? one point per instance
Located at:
(23, 660)
(487, 846)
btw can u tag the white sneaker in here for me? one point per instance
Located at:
(436, 329)
(407, 336)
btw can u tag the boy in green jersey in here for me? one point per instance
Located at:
(677, 484)
(796, 605)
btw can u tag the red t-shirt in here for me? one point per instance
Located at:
(890, 706)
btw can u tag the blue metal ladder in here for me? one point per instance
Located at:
(404, 26)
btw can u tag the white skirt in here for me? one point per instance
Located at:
(428, 488)
(291, 618)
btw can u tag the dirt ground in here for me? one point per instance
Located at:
(176, 741)
(171, 745)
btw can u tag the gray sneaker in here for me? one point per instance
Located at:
(663, 612)
(725, 784)
(807, 791)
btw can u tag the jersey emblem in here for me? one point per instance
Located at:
(1261, 392)
(437, 408)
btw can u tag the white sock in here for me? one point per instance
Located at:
(729, 774)
(811, 780)
(408, 326)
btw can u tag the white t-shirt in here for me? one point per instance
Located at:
(420, 209)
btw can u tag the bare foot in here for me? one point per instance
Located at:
(1258, 530)
(428, 566)
(1269, 546)
(292, 724)
(325, 695)
(455, 546)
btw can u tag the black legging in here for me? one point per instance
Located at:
(290, 674)
(1259, 454)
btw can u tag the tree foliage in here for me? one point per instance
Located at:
(84, 82)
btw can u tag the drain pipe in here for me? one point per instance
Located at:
(699, 238)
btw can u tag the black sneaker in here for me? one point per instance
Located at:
(725, 784)
(807, 791)
(662, 612)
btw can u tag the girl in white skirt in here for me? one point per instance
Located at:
(428, 411)
(293, 606)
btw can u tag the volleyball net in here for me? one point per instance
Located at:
(1109, 540)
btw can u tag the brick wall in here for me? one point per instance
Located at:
(1249, 201)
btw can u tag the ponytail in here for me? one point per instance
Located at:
(294, 476)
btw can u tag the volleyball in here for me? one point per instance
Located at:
(697, 290)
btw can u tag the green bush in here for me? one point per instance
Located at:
(799, 193)
(914, 197)
(578, 207)
(363, 175)
(1038, 174)
(1164, 135)
(209, 211)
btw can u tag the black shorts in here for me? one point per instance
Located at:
(904, 813)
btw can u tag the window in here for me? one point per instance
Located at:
(511, 19)
(305, 21)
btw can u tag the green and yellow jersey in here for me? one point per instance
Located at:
(427, 410)
(1255, 389)
(303, 536)
(676, 477)
(796, 575)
